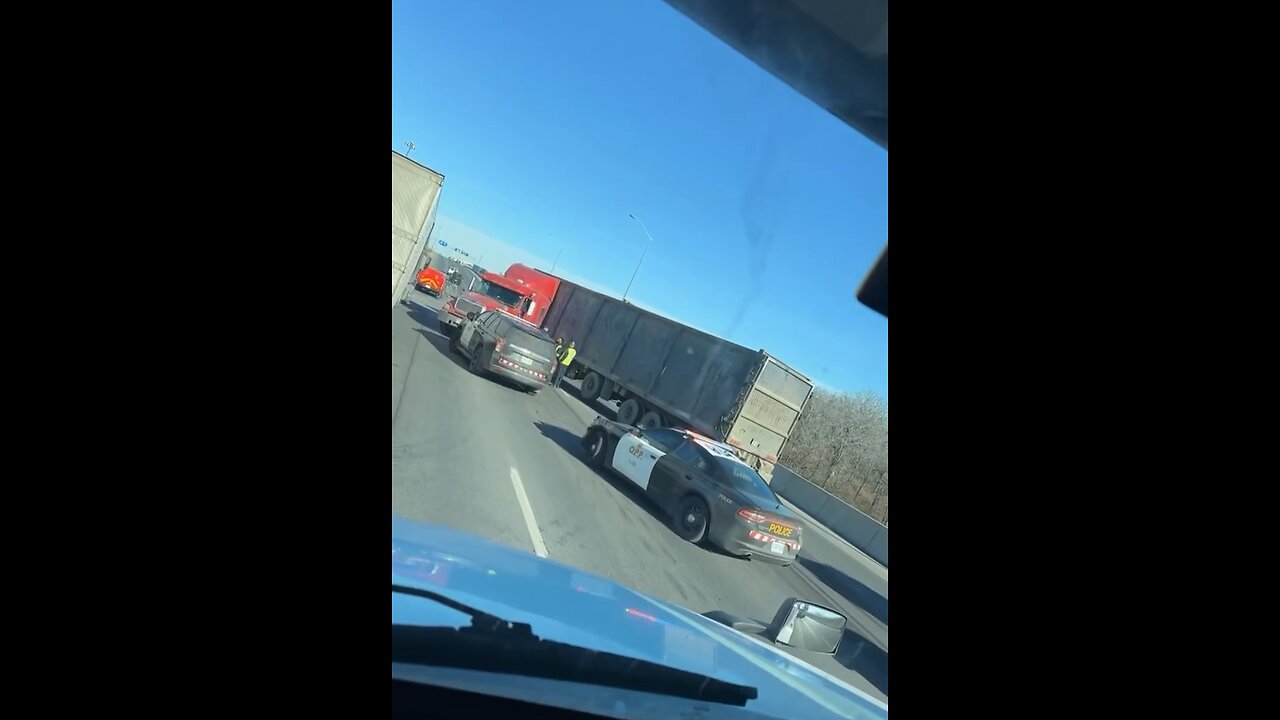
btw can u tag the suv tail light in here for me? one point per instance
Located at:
(751, 515)
(497, 345)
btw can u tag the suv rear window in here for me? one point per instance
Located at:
(527, 329)
(530, 338)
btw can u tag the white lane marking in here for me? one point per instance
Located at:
(527, 511)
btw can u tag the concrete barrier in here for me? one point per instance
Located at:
(850, 523)
(879, 547)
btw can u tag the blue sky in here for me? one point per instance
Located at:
(553, 120)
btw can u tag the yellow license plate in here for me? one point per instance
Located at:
(781, 530)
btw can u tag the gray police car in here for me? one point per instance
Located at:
(706, 490)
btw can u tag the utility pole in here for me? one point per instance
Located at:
(646, 250)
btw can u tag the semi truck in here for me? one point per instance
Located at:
(415, 195)
(667, 373)
(482, 291)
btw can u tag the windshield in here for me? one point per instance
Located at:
(634, 188)
(506, 296)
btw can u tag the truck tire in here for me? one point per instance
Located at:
(446, 329)
(653, 418)
(453, 344)
(591, 386)
(629, 411)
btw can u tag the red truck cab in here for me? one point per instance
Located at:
(539, 287)
(489, 292)
(524, 292)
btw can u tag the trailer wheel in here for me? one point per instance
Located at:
(591, 386)
(629, 411)
(653, 418)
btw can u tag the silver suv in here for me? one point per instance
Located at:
(499, 343)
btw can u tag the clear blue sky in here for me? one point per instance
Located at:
(553, 120)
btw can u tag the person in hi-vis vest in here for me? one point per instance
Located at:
(563, 365)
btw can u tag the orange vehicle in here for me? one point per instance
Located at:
(431, 280)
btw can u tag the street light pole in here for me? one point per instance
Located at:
(557, 260)
(409, 144)
(646, 251)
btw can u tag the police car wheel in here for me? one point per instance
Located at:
(691, 518)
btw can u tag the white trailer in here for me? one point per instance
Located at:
(415, 195)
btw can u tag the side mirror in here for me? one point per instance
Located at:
(803, 625)
(472, 316)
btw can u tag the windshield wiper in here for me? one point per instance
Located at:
(492, 644)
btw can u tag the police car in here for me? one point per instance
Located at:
(709, 494)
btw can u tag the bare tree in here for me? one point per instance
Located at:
(841, 444)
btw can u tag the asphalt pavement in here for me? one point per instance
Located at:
(476, 455)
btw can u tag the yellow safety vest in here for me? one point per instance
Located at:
(568, 356)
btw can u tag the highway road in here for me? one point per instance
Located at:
(476, 455)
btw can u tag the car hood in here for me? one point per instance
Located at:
(488, 303)
(567, 605)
